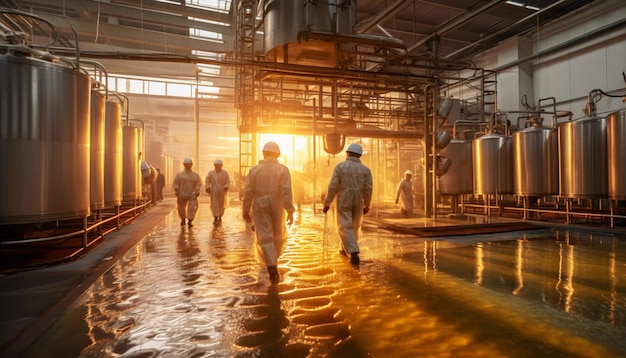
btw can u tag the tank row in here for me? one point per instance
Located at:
(65, 151)
(582, 158)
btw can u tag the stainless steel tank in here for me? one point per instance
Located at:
(616, 146)
(44, 141)
(131, 161)
(284, 20)
(96, 160)
(536, 162)
(459, 178)
(113, 155)
(493, 164)
(583, 158)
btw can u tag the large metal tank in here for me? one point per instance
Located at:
(493, 164)
(458, 179)
(536, 161)
(131, 162)
(44, 141)
(113, 155)
(583, 158)
(616, 146)
(96, 160)
(284, 20)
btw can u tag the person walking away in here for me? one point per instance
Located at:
(351, 183)
(405, 192)
(267, 196)
(160, 184)
(187, 184)
(217, 183)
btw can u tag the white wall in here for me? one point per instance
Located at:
(571, 72)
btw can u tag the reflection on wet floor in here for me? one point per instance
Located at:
(200, 292)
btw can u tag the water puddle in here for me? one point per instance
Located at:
(201, 293)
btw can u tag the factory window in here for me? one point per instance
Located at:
(136, 86)
(156, 88)
(178, 90)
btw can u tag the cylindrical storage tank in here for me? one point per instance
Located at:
(492, 157)
(536, 162)
(44, 141)
(458, 179)
(96, 160)
(583, 158)
(131, 162)
(113, 155)
(283, 20)
(616, 146)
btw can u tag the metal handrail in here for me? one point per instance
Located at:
(79, 232)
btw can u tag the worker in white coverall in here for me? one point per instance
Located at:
(351, 183)
(405, 192)
(266, 198)
(217, 183)
(187, 184)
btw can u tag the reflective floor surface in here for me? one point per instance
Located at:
(200, 292)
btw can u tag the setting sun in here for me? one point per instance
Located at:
(292, 148)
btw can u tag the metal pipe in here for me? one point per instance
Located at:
(455, 22)
(359, 39)
(529, 17)
(576, 40)
(106, 75)
(387, 12)
(54, 32)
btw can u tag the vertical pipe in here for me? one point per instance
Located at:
(85, 232)
(314, 155)
(196, 122)
(433, 143)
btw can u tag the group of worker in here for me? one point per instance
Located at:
(187, 184)
(268, 203)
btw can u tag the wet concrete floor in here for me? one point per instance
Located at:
(200, 292)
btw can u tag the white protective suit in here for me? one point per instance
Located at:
(405, 192)
(218, 183)
(268, 193)
(351, 182)
(187, 184)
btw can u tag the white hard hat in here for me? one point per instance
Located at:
(408, 172)
(217, 161)
(355, 148)
(187, 161)
(271, 147)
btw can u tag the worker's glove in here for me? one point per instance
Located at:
(366, 210)
(289, 218)
(326, 207)
(176, 192)
(225, 189)
(246, 217)
(208, 191)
